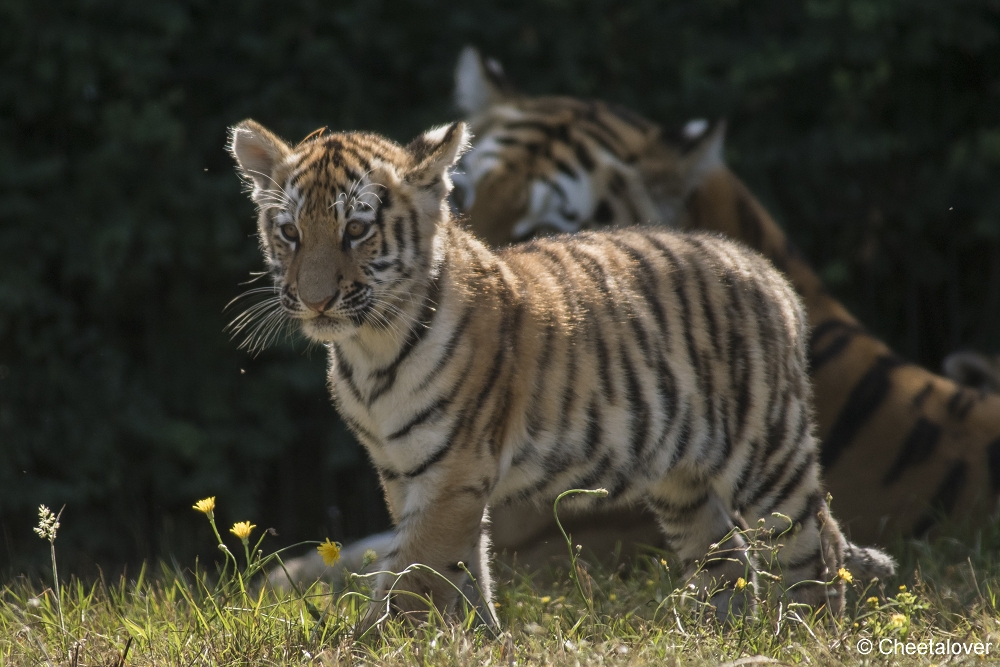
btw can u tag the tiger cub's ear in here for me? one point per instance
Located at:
(434, 152)
(478, 82)
(257, 151)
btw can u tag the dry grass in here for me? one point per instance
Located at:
(634, 614)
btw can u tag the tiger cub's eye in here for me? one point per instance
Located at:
(355, 229)
(290, 232)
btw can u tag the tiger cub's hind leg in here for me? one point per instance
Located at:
(699, 528)
(808, 545)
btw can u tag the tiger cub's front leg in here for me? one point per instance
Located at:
(441, 531)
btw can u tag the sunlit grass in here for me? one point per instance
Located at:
(635, 613)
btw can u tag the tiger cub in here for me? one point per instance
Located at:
(668, 368)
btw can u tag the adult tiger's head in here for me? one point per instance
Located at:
(549, 164)
(347, 222)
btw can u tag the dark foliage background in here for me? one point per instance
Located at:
(869, 128)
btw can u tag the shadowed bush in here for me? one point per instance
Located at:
(871, 130)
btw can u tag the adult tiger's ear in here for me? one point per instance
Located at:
(479, 82)
(257, 151)
(973, 369)
(702, 145)
(434, 152)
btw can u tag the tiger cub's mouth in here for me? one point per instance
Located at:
(324, 328)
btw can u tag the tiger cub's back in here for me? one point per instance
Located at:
(646, 350)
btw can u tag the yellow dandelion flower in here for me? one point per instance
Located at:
(242, 529)
(898, 620)
(902, 587)
(205, 506)
(330, 551)
(546, 599)
(845, 574)
(873, 601)
(741, 583)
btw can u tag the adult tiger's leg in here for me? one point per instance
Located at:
(700, 529)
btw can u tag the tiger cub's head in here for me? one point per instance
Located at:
(348, 221)
(542, 165)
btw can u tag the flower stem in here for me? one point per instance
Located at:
(574, 575)
(55, 582)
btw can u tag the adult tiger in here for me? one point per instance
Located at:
(902, 447)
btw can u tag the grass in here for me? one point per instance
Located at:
(635, 613)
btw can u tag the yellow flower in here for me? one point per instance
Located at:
(612, 597)
(902, 587)
(741, 583)
(873, 601)
(898, 620)
(205, 506)
(845, 574)
(330, 551)
(242, 529)
(546, 599)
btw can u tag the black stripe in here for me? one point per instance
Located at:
(508, 336)
(583, 156)
(864, 400)
(763, 486)
(705, 301)
(645, 280)
(595, 474)
(819, 357)
(918, 446)
(679, 277)
(569, 388)
(441, 452)
(683, 436)
(787, 488)
(944, 498)
(415, 235)
(811, 506)
(360, 431)
(921, 396)
(449, 349)
(416, 333)
(380, 222)
(398, 233)
(604, 142)
(637, 407)
(597, 275)
(592, 438)
(544, 359)
(345, 371)
(961, 402)
(677, 513)
(814, 557)
(435, 409)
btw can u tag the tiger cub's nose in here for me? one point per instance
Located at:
(319, 306)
